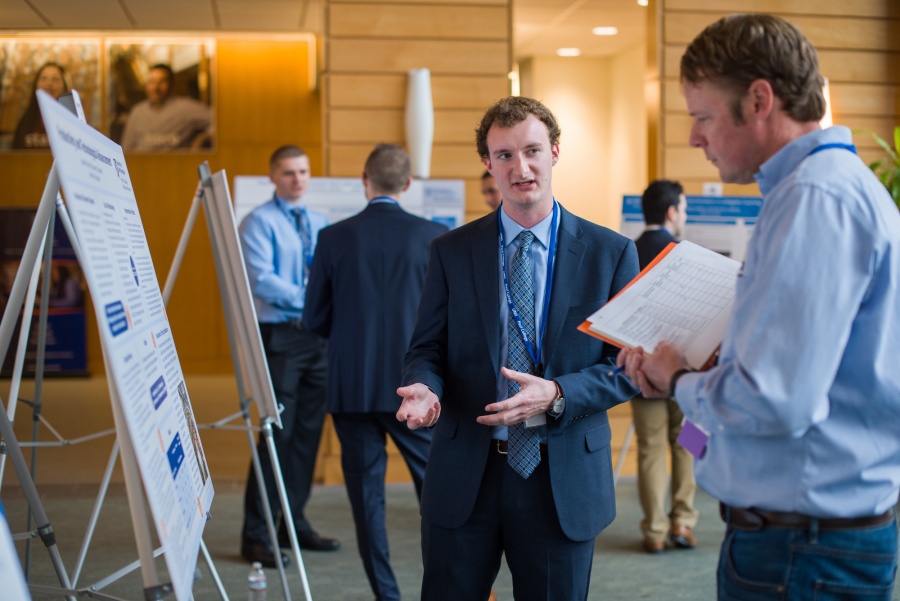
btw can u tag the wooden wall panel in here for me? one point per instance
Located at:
(426, 22)
(845, 66)
(370, 46)
(860, 8)
(859, 52)
(823, 32)
(399, 56)
(437, 2)
(389, 91)
(388, 125)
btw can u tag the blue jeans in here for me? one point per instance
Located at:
(782, 563)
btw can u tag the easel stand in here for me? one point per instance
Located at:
(7, 325)
(154, 590)
(249, 367)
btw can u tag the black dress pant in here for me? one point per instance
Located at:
(297, 363)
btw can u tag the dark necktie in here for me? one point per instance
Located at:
(524, 444)
(305, 240)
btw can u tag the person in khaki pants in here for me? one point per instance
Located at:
(657, 422)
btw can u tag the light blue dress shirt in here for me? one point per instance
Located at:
(804, 406)
(273, 254)
(539, 249)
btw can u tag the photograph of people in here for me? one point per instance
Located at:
(164, 120)
(30, 132)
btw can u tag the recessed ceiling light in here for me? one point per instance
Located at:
(605, 30)
(568, 52)
(643, 2)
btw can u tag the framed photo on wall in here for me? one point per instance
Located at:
(160, 94)
(55, 65)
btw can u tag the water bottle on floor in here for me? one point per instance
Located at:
(257, 583)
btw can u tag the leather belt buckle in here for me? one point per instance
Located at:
(742, 519)
(502, 446)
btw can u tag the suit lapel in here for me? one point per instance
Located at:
(486, 273)
(569, 256)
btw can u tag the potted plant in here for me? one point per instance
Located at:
(887, 169)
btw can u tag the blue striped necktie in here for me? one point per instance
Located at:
(305, 240)
(524, 449)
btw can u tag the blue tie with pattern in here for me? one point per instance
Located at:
(305, 240)
(524, 449)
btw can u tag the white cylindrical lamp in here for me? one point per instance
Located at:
(419, 122)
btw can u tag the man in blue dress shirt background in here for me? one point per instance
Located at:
(278, 240)
(802, 409)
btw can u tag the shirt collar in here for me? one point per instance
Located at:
(286, 206)
(541, 230)
(785, 161)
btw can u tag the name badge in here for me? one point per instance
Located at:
(693, 438)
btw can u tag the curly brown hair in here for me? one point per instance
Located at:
(510, 111)
(737, 50)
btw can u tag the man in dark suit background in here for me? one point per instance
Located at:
(362, 295)
(657, 422)
(477, 501)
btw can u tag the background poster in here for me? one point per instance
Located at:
(441, 200)
(139, 347)
(720, 223)
(66, 352)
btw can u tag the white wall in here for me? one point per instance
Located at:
(628, 128)
(599, 103)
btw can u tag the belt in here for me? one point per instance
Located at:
(291, 323)
(502, 447)
(757, 519)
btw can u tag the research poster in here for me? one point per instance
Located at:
(720, 223)
(440, 200)
(142, 361)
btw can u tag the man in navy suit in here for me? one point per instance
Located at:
(363, 291)
(657, 422)
(476, 504)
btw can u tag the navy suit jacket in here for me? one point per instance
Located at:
(650, 244)
(362, 294)
(455, 351)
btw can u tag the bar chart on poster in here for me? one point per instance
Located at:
(141, 359)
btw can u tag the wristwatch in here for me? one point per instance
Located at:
(559, 403)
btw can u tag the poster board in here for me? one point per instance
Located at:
(234, 287)
(720, 223)
(136, 337)
(440, 200)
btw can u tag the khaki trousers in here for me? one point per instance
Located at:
(657, 424)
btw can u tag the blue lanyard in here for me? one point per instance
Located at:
(534, 353)
(849, 147)
(383, 199)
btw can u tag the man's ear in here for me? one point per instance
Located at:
(761, 98)
(487, 162)
(554, 152)
(408, 184)
(672, 213)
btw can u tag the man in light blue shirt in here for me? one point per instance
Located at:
(802, 409)
(278, 239)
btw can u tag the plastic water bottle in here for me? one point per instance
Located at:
(257, 583)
